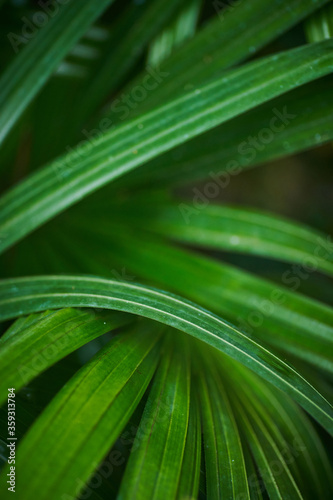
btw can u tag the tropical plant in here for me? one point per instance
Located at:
(161, 344)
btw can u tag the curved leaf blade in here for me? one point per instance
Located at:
(280, 483)
(226, 475)
(156, 458)
(291, 429)
(41, 56)
(141, 21)
(310, 109)
(26, 295)
(276, 314)
(188, 486)
(236, 229)
(27, 351)
(85, 418)
(39, 198)
(234, 35)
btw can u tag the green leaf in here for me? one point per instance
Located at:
(41, 55)
(190, 474)
(225, 466)
(293, 432)
(37, 343)
(22, 323)
(273, 313)
(181, 29)
(255, 483)
(223, 410)
(156, 458)
(229, 38)
(141, 22)
(32, 399)
(278, 480)
(83, 421)
(26, 295)
(51, 190)
(234, 229)
(245, 141)
(319, 26)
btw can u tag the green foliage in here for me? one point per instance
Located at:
(151, 358)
